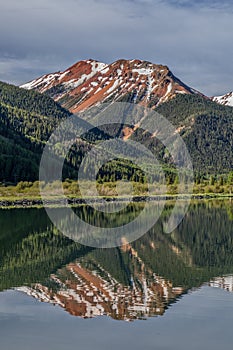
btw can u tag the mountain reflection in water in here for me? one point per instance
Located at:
(135, 281)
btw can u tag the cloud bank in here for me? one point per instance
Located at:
(192, 38)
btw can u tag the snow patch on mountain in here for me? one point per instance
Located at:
(226, 99)
(45, 80)
(143, 71)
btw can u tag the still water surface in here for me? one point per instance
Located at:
(175, 289)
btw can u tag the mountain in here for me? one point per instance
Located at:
(226, 99)
(205, 125)
(88, 83)
(28, 117)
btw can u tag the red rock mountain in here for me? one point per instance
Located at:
(89, 82)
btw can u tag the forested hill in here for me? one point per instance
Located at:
(27, 118)
(182, 107)
(205, 126)
(207, 129)
(30, 101)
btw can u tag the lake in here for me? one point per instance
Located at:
(162, 291)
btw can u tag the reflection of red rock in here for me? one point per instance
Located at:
(87, 83)
(86, 293)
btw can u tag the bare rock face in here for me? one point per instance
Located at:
(88, 83)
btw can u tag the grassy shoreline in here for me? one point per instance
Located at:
(27, 194)
(36, 201)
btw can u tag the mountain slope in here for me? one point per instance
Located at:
(88, 83)
(27, 119)
(207, 129)
(226, 99)
(205, 126)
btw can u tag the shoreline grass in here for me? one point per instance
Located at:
(56, 201)
(28, 193)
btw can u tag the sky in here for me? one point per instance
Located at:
(194, 38)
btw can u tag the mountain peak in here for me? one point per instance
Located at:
(226, 99)
(89, 82)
